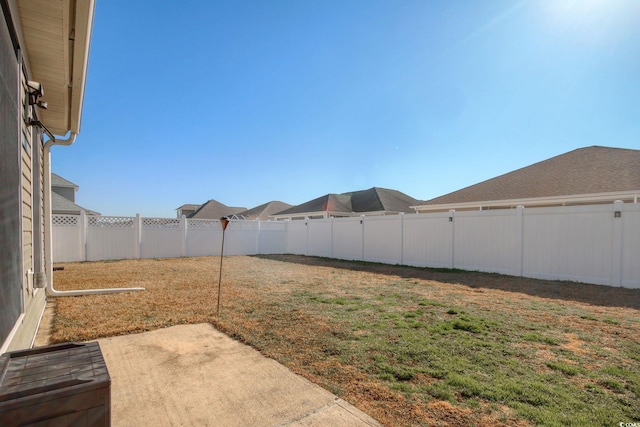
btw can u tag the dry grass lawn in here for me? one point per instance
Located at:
(409, 346)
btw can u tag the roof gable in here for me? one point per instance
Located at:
(62, 205)
(326, 203)
(58, 181)
(263, 211)
(588, 170)
(215, 210)
(382, 199)
(372, 200)
(189, 206)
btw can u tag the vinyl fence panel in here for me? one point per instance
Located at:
(347, 238)
(319, 237)
(203, 237)
(112, 237)
(428, 240)
(569, 243)
(241, 238)
(383, 239)
(68, 241)
(272, 237)
(161, 238)
(297, 237)
(630, 236)
(488, 241)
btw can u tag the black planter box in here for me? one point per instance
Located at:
(55, 386)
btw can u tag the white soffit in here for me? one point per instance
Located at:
(57, 36)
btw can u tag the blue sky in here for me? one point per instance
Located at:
(246, 102)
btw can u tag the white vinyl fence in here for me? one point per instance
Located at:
(597, 244)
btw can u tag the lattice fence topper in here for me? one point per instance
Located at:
(110, 222)
(65, 220)
(203, 224)
(160, 223)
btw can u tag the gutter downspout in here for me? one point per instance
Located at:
(48, 244)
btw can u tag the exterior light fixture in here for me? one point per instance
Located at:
(35, 91)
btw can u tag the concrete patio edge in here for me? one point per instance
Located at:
(194, 375)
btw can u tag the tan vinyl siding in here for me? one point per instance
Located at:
(27, 209)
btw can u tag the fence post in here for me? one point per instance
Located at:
(452, 234)
(331, 222)
(137, 230)
(83, 235)
(183, 240)
(258, 235)
(362, 233)
(306, 233)
(520, 239)
(616, 243)
(401, 238)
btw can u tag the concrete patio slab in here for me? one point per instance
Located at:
(194, 375)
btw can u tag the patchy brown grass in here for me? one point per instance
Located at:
(317, 316)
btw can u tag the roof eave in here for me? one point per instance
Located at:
(535, 201)
(59, 60)
(84, 26)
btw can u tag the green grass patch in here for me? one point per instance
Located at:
(565, 368)
(536, 337)
(478, 356)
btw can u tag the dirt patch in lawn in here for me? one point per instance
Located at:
(409, 346)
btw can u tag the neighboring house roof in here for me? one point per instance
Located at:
(589, 174)
(373, 200)
(188, 207)
(263, 211)
(58, 181)
(326, 203)
(215, 210)
(62, 205)
(381, 199)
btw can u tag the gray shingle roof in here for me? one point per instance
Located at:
(263, 211)
(588, 170)
(375, 199)
(58, 181)
(215, 210)
(189, 206)
(61, 205)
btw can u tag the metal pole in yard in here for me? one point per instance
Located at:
(224, 221)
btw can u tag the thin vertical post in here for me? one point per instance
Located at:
(224, 221)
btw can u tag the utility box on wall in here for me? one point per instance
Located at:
(58, 385)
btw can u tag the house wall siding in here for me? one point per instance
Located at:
(27, 206)
(11, 304)
(21, 199)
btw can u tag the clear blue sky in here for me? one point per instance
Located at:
(246, 102)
